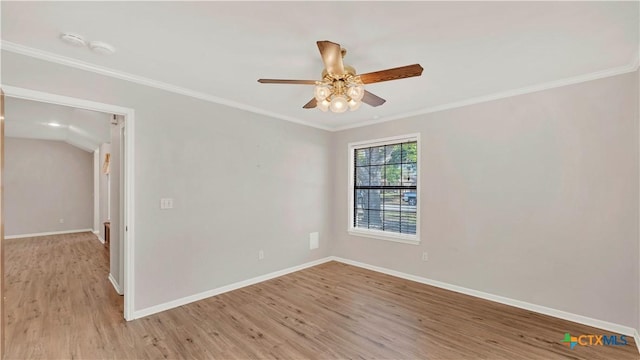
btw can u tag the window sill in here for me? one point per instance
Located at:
(383, 235)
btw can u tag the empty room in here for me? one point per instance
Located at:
(320, 180)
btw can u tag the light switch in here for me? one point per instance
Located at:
(166, 203)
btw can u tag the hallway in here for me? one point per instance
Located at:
(59, 301)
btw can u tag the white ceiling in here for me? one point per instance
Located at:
(217, 50)
(81, 128)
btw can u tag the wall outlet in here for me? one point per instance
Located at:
(314, 240)
(61, 221)
(260, 255)
(425, 256)
(166, 203)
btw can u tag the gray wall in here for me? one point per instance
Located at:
(533, 197)
(46, 181)
(241, 183)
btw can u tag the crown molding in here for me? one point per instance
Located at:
(633, 66)
(63, 60)
(47, 56)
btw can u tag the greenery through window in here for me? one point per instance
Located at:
(385, 188)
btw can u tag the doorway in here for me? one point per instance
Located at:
(126, 206)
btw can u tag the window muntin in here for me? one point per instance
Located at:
(385, 183)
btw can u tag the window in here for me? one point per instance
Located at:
(384, 198)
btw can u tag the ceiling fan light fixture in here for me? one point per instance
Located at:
(341, 88)
(322, 91)
(339, 104)
(354, 104)
(324, 105)
(355, 91)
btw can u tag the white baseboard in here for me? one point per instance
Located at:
(48, 233)
(115, 285)
(99, 237)
(223, 289)
(605, 325)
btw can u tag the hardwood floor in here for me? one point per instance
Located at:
(60, 305)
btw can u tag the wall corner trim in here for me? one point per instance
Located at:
(226, 288)
(605, 325)
(636, 337)
(115, 285)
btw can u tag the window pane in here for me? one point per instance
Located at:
(409, 175)
(409, 201)
(377, 155)
(385, 195)
(362, 199)
(392, 175)
(409, 152)
(408, 223)
(362, 157)
(393, 154)
(377, 175)
(375, 199)
(392, 221)
(361, 220)
(375, 219)
(362, 176)
(391, 200)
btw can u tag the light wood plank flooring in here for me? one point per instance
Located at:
(60, 305)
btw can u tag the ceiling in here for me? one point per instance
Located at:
(217, 50)
(81, 128)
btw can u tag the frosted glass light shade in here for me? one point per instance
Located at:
(323, 105)
(355, 92)
(321, 92)
(339, 104)
(354, 105)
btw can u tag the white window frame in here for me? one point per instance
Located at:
(379, 234)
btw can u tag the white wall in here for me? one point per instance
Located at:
(533, 197)
(96, 191)
(241, 183)
(116, 248)
(45, 181)
(103, 185)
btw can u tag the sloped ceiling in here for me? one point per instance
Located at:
(84, 129)
(217, 50)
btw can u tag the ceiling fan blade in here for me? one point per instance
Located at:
(392, 74)
(281, 81)
(371, 99)
(311, 104)
(331, 56)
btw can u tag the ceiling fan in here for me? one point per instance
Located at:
(341, 88)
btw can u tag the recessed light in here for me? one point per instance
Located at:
(73, 39)
(53, 124)
(101, 48)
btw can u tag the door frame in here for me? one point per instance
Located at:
(126, 207)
